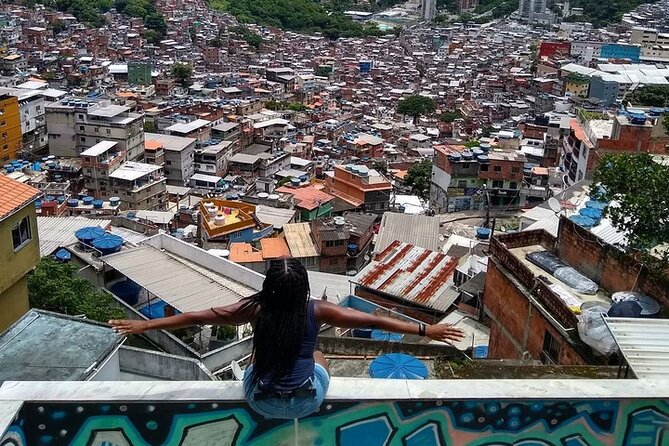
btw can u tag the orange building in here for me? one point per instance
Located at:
(361, 188)
(10, 127)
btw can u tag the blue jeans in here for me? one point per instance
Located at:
(288, 408)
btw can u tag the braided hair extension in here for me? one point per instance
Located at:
(281, 321)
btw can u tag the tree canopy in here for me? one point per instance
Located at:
(182, 73)
(54, 286)
(650, 96)
(450, 116)
(306, 16)
(247, 35)
(283, 105)
(418, 178)
(416, 106)
(639, 185)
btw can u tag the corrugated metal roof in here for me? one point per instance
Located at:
(419, 230)
(644, 343)
(55, 232)
(298, 237)
(184, 284)
(412, 273)
(276, 217)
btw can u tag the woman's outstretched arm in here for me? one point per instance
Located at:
(337, 316)
(238, 313)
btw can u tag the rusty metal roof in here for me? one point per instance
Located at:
(412, 273)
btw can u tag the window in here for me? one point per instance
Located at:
(515, 169)
(97, 129)
(108, 131)
(169, 163)
(83, 139)
(21, 234)
(81, 116)
(497, 168)
(483, 168)
(3, 123)
(497, 184)
(513, 185)
(462, 184)
(81, 127)
(550, 351)
(4, 135)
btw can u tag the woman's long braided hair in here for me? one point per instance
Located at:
(281, 320)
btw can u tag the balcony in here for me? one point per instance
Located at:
(356, 412)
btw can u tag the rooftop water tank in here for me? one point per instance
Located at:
(649, 306)
(38, 204)
(212, 211)
(114, 201)
(339, 221)
(295, 181)
(273, 197)
(97, 204)
(484, 146)
(352, 246)
(60, 199)
(483, 159)
(219, 220)
(10, 169)
(127, 291)
(87, 235)
(108, 244)
(477, 151)
(454, 156)
(304, 178)
(88, 200)
(583, 221)
(263, 195)
(467, 155)
(49, 198)
(483, 233)
(72, 202)
(63, 255)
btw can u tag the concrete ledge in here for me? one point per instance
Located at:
(341, 389)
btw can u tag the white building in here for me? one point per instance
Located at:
(75, 124)
(179, 155)
(33, 121)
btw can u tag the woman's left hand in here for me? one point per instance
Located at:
(444, 333)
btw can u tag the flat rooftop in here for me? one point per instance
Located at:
(132, 170)
(45, 346)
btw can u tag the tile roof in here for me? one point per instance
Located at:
(274, 248)
(14, 195)
(307, 197)
(244, 253)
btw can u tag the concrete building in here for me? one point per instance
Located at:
(222, 222)
(139, 186)
(621, 51)
(19, 250)
(33, 121)
(98, 162)
(10, 127)
(76, 124)
(360, 187)
(212, 159)
(654, 44)
(139, 73)
(429, 9)
(178, 155)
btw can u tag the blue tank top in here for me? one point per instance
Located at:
(304, 364)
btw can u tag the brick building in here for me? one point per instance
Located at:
(343, 242)
(360, 187)
(528, 318)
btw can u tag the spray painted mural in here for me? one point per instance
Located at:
(411, 423)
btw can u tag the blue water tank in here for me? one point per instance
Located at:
(583, 221)
(483, 159)
(72, 202)
(352, 246)
(49, 198)
(10, 169)
(88, 200)
(63, 255)
(127, 291)
(38, 204)
(483, 233)
(454, 157)
(485, 147)
(477, 152)
(467, 155)
(87, 235)
(60, 199)
(97, 204)
(108, 244)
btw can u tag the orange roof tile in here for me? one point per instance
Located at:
(152, 145)
(307, 197)
(244, 253)
(14, 195)
(274, 248)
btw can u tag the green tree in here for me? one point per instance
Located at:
(418, 178)
(182, 73)
(416, 106)
(216, 42)
(54, 286)
(650, 96)
(323, 71)
(639, 186)
(58, 26)
(450, 116)
(297, 106)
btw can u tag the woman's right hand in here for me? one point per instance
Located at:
(126, 327)
(444, 333)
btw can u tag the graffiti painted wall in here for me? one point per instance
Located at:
(409, 423)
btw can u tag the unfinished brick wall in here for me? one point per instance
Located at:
(606, 264)
(517, 326)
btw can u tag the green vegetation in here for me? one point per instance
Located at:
(54, 286)
(472, 143)
(247, 36)
(283, 105)
(416, 106)
(650, 96)
(90, 12)
(603, 12)
(182, 73)
(305, 16)
(216, 42)
(323, 71)
(418, 178)
(640, 186)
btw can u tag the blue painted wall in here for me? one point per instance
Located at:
(621, 51)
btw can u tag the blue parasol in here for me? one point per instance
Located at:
(397, 366)
(380, 335)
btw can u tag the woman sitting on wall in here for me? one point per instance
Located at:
(288, 377)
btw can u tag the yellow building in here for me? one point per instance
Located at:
(19, 247)
(10, 127)
(577, 85)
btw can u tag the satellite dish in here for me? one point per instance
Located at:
(554, 204)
